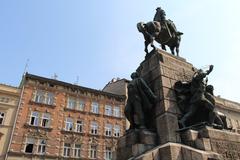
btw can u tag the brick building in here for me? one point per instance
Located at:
(58, 120)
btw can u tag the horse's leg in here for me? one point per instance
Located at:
(177, 50)
(146, 46)
(172, 50)
(152, 45)
(177, 46)
(163, 47)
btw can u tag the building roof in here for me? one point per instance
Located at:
(73, 86)
(10, 90)
(7, 85)
(116, 80)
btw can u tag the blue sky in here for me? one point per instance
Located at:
(98, 40)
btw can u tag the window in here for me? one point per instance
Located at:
(34, 118)
(79, 126)
(93, 152)
(40, 97)
(108, 110)
(2, 114)
(4, 99)
(69, 124)
(116, 111)
(108, 153)
(116, 130)
(77, 150)
(71, 103)
(94, 128)
(41, 146)
(46, 120)
(108, 130)
(44, 97)
(66, 149)
(95, 108)
(29, 145)
(80, 105)
(50, 98)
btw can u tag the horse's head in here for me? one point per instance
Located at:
(179, 33)
(140, 27)
(178, 36)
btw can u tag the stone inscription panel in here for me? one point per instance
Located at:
(229, 150)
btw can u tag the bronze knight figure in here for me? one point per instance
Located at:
(139, 104)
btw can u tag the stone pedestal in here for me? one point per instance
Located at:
(161, 70)
(223, 142)
(175, 151)
(135, 143)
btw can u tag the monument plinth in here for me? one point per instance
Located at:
(135, 143)
(161, 71)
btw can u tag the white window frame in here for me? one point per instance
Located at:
(108, 129)
(44, 97)
(94, 128)
(108, 153)
(77, 151)
(116, 131)
(108, 110)
(69, 124)
(117, 111)
(36, 118)
(2, 117)
(71, 103)
(40, 96)
(95, 108)
(47, 117)
(79, 126)
(50, 98)
(93, 152)
(80, 105)
(29, 141)
(66, 150)
(41, 147)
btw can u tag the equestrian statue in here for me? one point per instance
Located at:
(161, 30)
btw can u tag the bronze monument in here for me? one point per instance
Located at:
(164, 32)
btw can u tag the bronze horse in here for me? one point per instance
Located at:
(155, 31)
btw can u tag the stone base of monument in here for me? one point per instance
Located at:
(176, 151)
(135, 143)
(225, 143)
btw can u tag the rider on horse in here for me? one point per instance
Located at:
(160, 16)
(162, 31)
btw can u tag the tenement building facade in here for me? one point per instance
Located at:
(58, 120)
(9, 97)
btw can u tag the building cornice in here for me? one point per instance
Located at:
(73, 86)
